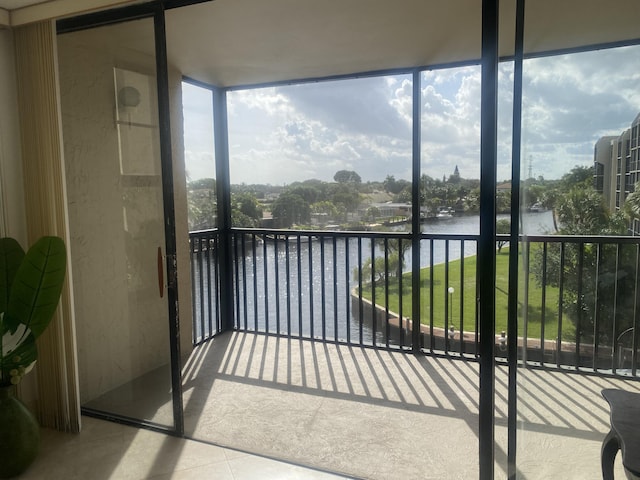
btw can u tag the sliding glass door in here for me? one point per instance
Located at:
(120, 208)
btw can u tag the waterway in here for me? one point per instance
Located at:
(279, 289)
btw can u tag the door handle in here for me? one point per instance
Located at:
(160, 273)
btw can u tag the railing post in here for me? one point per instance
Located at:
(415, 218)
(512, 321)
(487, 242)
(223, 193)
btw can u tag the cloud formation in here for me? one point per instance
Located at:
(283, 134)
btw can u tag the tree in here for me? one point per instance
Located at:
(632, 203)
(325, 208)
(347, 196)
(503, 201)
(581, 211)
(202, 204)
(586, 270)
(578, 176)
(379, 271)
(310, 193)
(372, 214)
(291, 208)
(347, 176)
(245, 210)
(503, 226)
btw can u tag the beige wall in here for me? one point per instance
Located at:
(116, 219)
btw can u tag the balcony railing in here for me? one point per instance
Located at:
(577, 300)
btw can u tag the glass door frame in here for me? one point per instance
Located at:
(155, 11)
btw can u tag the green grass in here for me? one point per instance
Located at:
(437, 289)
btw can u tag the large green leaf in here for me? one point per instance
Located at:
(37, 285)
(11, 255)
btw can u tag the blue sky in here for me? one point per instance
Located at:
(282, 134)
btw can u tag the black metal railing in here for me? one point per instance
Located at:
(205, 281)
(578, 296)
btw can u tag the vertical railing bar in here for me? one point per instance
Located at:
(347, 282)
(525, 313)
(255, 282)
(477, 319)
(447, 346)
(360, 303)
(560, 303)
(276, 271)
(216, 281)
(614, 334)
(323, 308)
(236, 283)
(202, 293)
(335, 287)
(387, 329)
(432, 342)
(287, 271)
(209, 322)
(596, 306)
(312, 330)
(238, 278)
(373, 291)
(636, 293)
(461, 316)
(194, 298)
(579, 316)
(265, 280)
(401, 324)
(244, 280)
(543, 314)
(299, 260)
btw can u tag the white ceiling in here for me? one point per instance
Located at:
(244, 42)
(238, 42)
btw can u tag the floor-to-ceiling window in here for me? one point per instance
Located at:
(578, 110)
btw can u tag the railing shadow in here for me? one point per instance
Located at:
(247, 387)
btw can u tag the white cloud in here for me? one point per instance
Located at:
(289, 133)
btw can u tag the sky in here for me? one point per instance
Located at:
(282, 134)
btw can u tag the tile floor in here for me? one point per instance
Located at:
(106, 450)
(355, 411)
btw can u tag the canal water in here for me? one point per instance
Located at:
(279, 289)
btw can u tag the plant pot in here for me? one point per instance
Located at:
(19, 435)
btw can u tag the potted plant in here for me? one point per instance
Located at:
(30, 287)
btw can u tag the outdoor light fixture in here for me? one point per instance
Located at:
(503, 340)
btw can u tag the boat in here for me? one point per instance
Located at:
(444, 213)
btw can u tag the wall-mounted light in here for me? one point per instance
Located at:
(129, 97)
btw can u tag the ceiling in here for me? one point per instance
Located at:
(239, 42)
(247, 42)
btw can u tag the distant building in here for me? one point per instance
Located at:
(503, 187)
(617, 168)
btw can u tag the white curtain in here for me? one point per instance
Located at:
(38, 100)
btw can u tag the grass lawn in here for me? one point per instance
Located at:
(437, 291)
